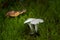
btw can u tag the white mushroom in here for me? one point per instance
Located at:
(33, 21)
(29, 20)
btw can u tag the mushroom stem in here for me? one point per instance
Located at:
(31, 28)
(36, 28)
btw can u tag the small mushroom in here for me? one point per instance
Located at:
(15, 13)
(33, 21)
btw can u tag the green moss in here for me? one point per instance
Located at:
(15, 29)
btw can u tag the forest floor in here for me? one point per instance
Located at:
(15, 29)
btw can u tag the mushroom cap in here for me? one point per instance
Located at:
(15, 13)
(37, 21)
(34, 21)
(10, 12)
(29, 20)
